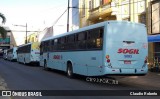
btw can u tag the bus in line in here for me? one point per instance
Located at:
(28, 53)
(5, 54)
(12, 54)
(107, 48)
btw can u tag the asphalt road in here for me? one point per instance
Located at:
(22, 77)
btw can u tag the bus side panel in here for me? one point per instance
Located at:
(20, 58)
(58, 60)
(27, 58)
(78, 60)
(43, 57)
(94, 63)
(41, 60)
(83, 64)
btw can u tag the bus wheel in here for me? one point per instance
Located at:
(69, 70)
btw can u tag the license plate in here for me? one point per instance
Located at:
(127, 62)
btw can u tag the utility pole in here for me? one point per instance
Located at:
(26, 34)
(68, 17)
(26, 31)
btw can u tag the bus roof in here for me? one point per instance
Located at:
(25, 44)
(90, 27)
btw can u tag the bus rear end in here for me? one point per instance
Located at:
(126, 49)
(35, 53)
(14, 57)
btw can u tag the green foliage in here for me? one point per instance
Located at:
(3, 18)
(3, 31)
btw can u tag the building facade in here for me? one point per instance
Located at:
(95, 11)
(32, 37)
(154, 31)
(9, 41)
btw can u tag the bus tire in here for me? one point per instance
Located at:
(70, 70)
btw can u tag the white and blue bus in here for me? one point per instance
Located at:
(12, 54)
(28, 53)
(5, 54)
(107, 48)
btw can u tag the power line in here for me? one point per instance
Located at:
(22, 31)
(59, 17)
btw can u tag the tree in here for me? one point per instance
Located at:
(3, 31)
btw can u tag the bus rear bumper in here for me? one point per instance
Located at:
(126, 72)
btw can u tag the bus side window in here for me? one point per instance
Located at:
(81, 40)
(45, 46)
(29, 48)
(94, 38)
(99, 40)
(70, 42)
(49, 46)
(52, 45)
(63, 43)
(55, 44)
(58, 44)
(101, 31)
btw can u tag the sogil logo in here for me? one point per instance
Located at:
(128, 51)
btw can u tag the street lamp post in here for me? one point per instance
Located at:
(26, 31)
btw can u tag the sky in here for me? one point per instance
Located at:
(36, 13)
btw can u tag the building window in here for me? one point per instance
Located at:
(101, 2)
(142, 18)
(83, 8)
(91, 4)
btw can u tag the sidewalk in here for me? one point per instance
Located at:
(150, 81)
(3, 86)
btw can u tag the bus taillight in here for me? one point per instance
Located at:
(107, 57)
(108, 60)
